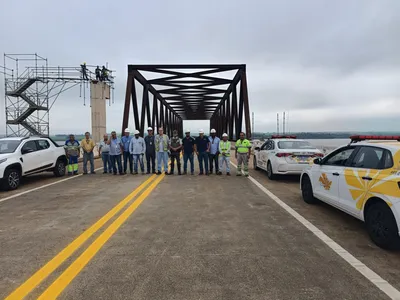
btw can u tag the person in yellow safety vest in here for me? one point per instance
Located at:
(225, 150)
(242, 154)
(72, 150)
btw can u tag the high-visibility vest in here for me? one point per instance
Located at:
(157, 142)
(243, 146)
(225, 147)
(72, 147)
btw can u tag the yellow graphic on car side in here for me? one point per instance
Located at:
(383, 182)
(326, 183)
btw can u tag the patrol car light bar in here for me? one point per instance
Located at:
(358, 138)
(283, 136)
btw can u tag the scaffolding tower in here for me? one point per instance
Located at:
(32, 87)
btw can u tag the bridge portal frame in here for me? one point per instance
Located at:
(181, 99)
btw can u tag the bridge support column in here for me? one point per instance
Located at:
(99, 92)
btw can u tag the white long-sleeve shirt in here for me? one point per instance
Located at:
(137, 145)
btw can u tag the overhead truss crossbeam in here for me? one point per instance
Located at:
(179, 93)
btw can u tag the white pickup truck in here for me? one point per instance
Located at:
(23, 156)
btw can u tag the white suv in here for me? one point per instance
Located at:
(23, 156)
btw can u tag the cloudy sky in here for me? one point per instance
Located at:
(333, 65)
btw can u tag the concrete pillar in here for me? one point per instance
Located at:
(99, 92)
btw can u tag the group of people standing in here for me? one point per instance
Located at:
(212, 152)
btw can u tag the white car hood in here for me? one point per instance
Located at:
(6, 155)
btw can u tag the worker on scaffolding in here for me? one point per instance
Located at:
(84, 71)
(72, 150)
(98, 73)
(104, 73)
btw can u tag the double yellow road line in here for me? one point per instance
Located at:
(75, 267)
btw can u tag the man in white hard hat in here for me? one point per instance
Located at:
(162, 144)
(188, 150)
(137, 149)
(214, 151)
(150, 151)
(202, 148)
(225, 150)
(126, 140)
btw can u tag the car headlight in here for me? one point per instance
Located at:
(3, 160)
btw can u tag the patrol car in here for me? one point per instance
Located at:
(363, 180)
(23, 156)
(284, 155)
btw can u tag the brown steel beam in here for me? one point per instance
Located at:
(246, 105)
(125, 119)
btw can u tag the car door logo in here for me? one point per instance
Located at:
(325, 182)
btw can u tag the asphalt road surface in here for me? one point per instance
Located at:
(183, 237)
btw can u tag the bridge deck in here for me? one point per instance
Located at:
(191, 237)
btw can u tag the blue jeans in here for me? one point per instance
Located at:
(203, 157)
(105, 156)
(128, 156)
(88, 156)
(224, 160)
(116, 159)
(136, 158)
(162, 156)
(186, 157)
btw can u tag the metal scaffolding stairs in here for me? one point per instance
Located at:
(21, 119)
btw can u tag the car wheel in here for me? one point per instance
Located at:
(307, 191)
(59, 169)
(255, 163)
(12, 179)
(382, 227)
(270, 172)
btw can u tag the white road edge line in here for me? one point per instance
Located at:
(378, 281)
(43, 186)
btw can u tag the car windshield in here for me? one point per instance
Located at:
(8, 146)
(295, 145)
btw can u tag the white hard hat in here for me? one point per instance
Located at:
(224, 135)
(136, 132)
(201, 131)
(213, 130)
(187, 130)
(127, 130)
(149, 128)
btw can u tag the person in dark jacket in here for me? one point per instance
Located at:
(150, 151)
(175, 148)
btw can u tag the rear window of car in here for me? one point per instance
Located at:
(295, 145)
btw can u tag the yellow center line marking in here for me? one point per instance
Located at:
(53, 264)
(76, 267)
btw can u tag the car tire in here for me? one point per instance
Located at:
(255, 163)
(11, 179)
(270, 171)
(307, 191)
(59, 168)
(382, 227)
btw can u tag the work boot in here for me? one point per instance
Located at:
(219, 173)
(159, 173)
(154, 172)
(166, 173)
(228, 174)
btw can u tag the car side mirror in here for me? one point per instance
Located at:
(257, 148)
(317, 161)
(26, 150)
